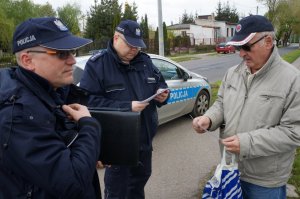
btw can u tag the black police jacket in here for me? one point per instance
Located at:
(115, 84)
(43, 154)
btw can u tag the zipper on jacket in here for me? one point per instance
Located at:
(12, 100)
(29, 194)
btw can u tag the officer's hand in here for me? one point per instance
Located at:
(76, 111)
(99, 165)
(137, 106)
(162, 97)
(201, 123)
(232, 144)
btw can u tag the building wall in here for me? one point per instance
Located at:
(223, 30)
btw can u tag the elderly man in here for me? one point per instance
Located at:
(259, 103)
(49, 148)
(121, 77)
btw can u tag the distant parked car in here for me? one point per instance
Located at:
(190, 92)
(223, 48)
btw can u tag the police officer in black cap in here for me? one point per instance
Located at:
(121, 77)
(48, 147)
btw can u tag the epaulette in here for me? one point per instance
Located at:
(145, 54)
(97, 55)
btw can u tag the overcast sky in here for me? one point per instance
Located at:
(172, 10)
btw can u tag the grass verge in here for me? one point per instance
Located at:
(291, 56)
(295, 177)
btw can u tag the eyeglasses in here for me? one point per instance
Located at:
(61, 54)
(130, 46)
(247, 47)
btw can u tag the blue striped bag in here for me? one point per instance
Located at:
(225, 184)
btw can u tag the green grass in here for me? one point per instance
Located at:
(295, 177)
(214, 90)
(184, 58)
(291, 56)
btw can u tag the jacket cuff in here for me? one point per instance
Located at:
(88, 121)
(244, 139)
(213, 124)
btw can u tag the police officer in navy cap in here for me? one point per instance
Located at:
(49, 145)
(120, 77)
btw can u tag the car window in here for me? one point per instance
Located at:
(167, 69)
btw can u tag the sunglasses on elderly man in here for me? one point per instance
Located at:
(61, 54)
(247, 47)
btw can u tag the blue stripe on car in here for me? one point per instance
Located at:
(183, 94)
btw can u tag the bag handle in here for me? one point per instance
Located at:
(223, 161)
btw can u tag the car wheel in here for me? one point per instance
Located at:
(201, 104)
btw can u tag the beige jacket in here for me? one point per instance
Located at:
(265, 114)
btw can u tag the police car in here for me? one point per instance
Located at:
(190, 92)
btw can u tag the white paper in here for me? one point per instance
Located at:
(159, 91)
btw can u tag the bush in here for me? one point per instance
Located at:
(204, 48)
(7, 61)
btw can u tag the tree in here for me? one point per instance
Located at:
(156, 42)
(284, 15)
(272, 5)
(295, 11)
(145, 30)
(166, 41)
(102, 20)
(6, 31)
(287, 21)
(226, 13)
(45, 10)
(14, 12)
(70, 15)
(20, 11)
(187, 19)
(130, 12)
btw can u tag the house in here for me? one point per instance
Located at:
(206, 30)
(198, 34)
(224, 31)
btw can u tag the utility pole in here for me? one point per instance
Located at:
(256, 10)
(160, 30)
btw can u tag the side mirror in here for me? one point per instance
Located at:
(185, 76)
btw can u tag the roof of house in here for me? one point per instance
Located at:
(179, 26)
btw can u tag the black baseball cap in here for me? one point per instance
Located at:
(132, 33)
(248, 27)
(49, 32)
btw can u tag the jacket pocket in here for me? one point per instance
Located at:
(257, 168)
(114, 87)
(270, 105)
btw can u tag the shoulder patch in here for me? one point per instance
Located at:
(97, 55)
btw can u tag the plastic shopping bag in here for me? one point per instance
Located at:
(225, 184)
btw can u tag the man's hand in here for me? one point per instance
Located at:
(162, 97)
(76, 111)
(201, 123)
(138, 106)
(232, 144)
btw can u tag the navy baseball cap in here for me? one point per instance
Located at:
(248, 27)
(49, 32)
(132, 33)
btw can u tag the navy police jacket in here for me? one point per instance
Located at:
(43, 154)
(115, 84)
